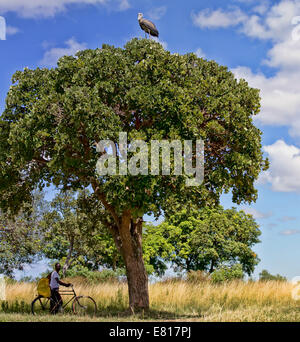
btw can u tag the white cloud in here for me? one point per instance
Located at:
(283, 174)
(271, 22)
(280, 96)
(2, 28)
(254, 27)
(218, 18)
(290, 232)
(256, 213)
(285, 55)
(124, 5)
(280, 104)
(11, 30)
(287, 218)
(266, 22)
(49, 8)
(199, 52)
(262, 7)
(157, 13)
(72, 46)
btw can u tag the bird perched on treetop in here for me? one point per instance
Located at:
(147, 26)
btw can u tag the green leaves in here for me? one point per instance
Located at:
(73, 230)
(20, 241)
(204, 239)
(53, 118)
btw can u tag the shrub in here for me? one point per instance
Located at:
(10, 281)
(96, 276)
(226, 273)
(15, 307)
(197, 276)
(27, 279)
(171, 279)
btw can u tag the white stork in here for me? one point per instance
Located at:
(147, 26)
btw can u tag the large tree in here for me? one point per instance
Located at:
(53, 118)
(206, 238)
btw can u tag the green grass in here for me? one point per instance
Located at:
(250, 314)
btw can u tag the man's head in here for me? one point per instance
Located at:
(57, 267)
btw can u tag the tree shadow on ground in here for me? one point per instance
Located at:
(151, 314)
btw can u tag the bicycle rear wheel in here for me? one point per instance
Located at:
(84, 305)
(41, 306)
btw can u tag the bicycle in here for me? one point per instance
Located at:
(81, 305)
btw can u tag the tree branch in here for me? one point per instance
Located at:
(107, 206)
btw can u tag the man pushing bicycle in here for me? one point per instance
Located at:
(55, 281)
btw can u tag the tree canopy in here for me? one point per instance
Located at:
(207, 238)
(53, 118)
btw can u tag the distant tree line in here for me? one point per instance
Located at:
(67, 229)
(264, 275)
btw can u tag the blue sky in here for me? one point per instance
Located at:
(257, 40)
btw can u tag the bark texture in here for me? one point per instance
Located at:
(131, 249)
(127, 234)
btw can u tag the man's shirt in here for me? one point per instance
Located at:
(53, 282)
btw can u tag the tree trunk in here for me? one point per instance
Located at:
(127, 234)
(130, 233)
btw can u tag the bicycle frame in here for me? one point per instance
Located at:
(66, 293)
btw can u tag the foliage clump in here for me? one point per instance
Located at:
(264, 275)
(227, 273)
(197, 276)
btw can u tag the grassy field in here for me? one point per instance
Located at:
(170, 301)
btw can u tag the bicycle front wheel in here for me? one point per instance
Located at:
(41, 306)
(84, 305)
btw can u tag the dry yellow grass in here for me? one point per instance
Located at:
(235, 301)
(232, 294)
